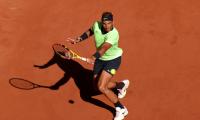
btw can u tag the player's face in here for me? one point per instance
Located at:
(107, 25)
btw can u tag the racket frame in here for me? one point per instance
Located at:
(74, 55)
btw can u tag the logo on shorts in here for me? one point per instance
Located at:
(112, 71)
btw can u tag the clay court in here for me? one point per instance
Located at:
(161, 44)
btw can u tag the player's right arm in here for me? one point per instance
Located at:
(84, 36)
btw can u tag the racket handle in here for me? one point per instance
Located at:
(83, 59)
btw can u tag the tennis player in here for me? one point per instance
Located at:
(106, 60)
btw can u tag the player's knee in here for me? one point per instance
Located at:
(102, 89)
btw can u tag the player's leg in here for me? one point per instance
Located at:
(97, 69)
(115, 84)
(112, 67)
(104, 79)
(112, 84)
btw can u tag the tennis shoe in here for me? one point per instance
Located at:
(122, 92)
(120, 113)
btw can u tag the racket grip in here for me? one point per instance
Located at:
(84, 59)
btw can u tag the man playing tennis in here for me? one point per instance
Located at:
(106, 60)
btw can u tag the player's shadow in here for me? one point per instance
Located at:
(82, 77)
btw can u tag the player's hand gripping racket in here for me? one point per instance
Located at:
(66, 53)
(24, 84)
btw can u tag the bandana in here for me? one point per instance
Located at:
(107, 16)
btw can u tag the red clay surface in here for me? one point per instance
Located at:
(161, 43)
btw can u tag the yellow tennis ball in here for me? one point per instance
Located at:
(113, 71)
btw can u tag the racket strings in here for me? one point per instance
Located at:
(62, 51)
(66, 53)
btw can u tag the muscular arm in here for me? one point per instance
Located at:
(89, 32)
(102, 50)
(86, 34)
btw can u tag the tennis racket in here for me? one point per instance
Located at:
(66, 53)
(24, 84)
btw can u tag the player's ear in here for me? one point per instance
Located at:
(113, 22)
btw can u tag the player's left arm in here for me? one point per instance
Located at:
(110, 40)
(100, 52)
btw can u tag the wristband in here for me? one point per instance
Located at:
(97, 55)
(84, 36)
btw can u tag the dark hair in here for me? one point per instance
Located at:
(107, 16)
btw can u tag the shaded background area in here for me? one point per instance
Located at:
(161, 57)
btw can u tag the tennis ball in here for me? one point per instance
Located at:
(113, 71)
